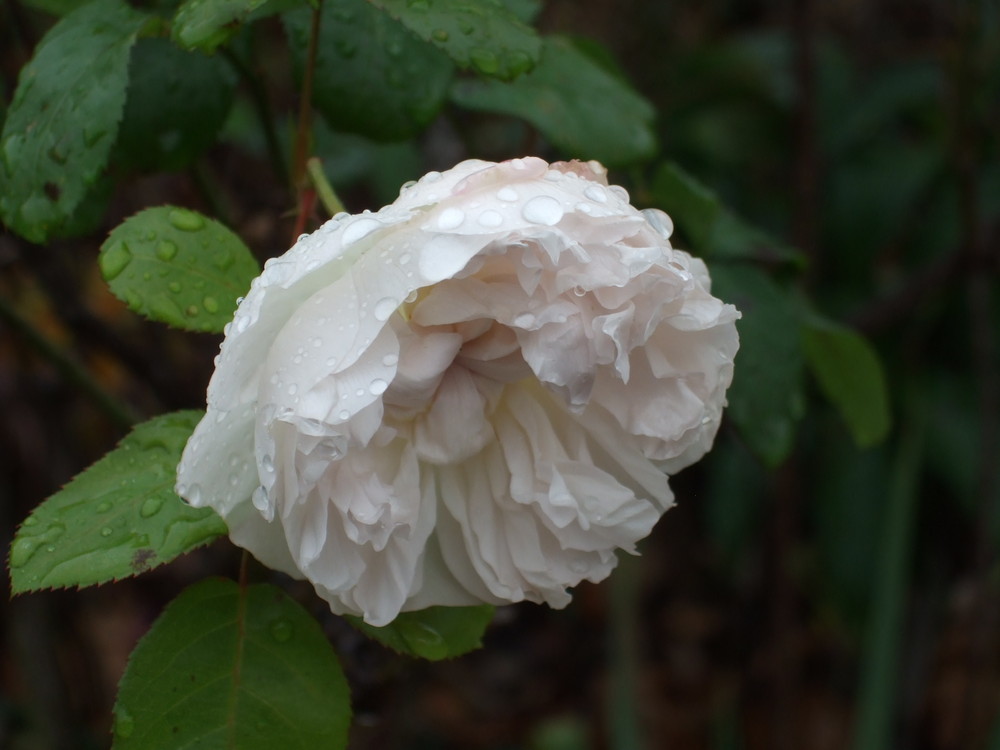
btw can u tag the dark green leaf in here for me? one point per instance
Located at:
(118, 518)
(64, 117)
(225, 667)
(205, 24)
(55, 7)
(526, 10)
(435, 633)
(574, 102)
(373, 76)
(177, 101)
(477, 34)
(849, 373)
(766, 399)
(713, 231)
(178, 267)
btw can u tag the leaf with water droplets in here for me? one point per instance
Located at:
(177, 101)
(578, 105)
(64, 117)
(236, 668)
(373, 77)
(156, 263)
(206, 24)
(435, 633)
(477, 34)
(120, 517)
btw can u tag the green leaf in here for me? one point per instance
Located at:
(177, 101)
(225, 667)
(373, 76)
(178, 267)
(713, 231)
(435, 633)
(766, 399)
(206, 24)
(64, 117)
(477, 34)
(120, 517)
(55, 7)
(849, 373)
(574, 102)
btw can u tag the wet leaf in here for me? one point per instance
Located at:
(178, 267)
(64, 116)
(373, 76)
(435, 633)
(206, 24)
(480, 35)
(574, 102)
(225, 667)
(120, 517)
(177, 101)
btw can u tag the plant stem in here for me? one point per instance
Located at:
(327, 196)
(306, 197)
(625, 732)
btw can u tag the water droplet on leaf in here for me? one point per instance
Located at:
(114, 260)
(484, 61)
(186, 221)
(281, 630)
(166, 250)
(210, 304)
(151, 507)
(124, 723)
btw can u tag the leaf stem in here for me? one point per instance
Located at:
(303, 134)
(327, 195)
(623, 715)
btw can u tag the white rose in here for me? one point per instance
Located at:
(470, 396)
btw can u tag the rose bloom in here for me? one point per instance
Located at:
(474, 395)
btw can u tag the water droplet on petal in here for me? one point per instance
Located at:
(152, 506)
(596, 193)
(659, 221)
(344, 415)
(378, 387)
(359, 228)
(389, 360)
(508, 194)
(490, 219)
(543, 209)
(385, 307)
(114, 260)
(524, 320)
(451, 218)
(186, 221)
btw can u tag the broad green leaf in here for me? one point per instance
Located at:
(435, 633)
(482, 35)
(55, 7)
(206, 24)
(713, 230)
(178, 267)
(574, 102)
(526, 10)
(177, 101)
(225, 667)
(64, 117)
(373, 76)
(849, 373)
(120, 517)
(766, 399)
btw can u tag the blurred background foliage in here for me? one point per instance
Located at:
(830, 576)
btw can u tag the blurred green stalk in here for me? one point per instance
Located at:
(623, 700)
(880, 668)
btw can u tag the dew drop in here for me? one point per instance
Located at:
(293, 389)
(210, 304)
(174, 286)
(484, 61)
(378, 387)
(106, 531)
(542, 209)
(596, 193)
(385, 307)
(114, 260)
(508, 194)
(450, 218)
(223, 259)
(440, 35)
(517, 63)
(186, 221)
(344, 415)
(191, 310)
(424, 640)
(124, 723)
(390, 360)
(267, 464)
(620, 192)
(359, 228)
(490, 219)
(260, 500)
(524, 320)
(166, 250)
(21, 551)
(418, 4)
(234, 480)
(152, 505)
(32, 521)
(281, 630)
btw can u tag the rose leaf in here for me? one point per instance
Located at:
(477, 34)
(64, 116)
(206, 24)
(233, 667)
(178, 267)
(434, 633)
(373, 76)
(766, 398)
(850, 375)
(118, 518)
(575, 102)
